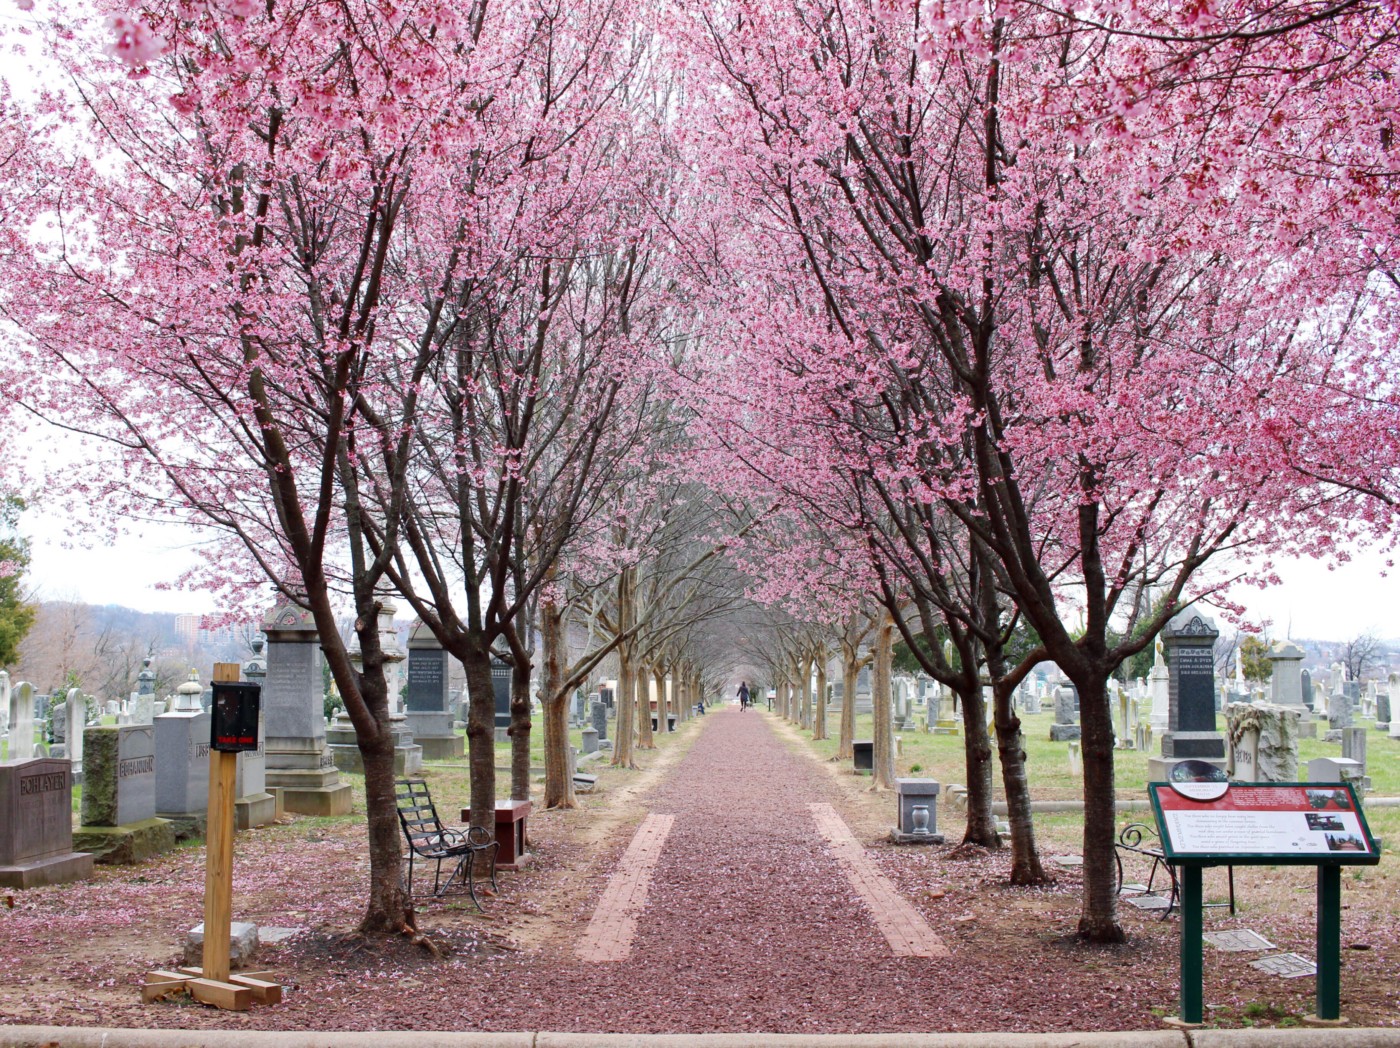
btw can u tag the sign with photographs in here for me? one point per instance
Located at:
(1265, 823)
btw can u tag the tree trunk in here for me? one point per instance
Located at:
(644, 730)
(626, 705)
(558, 783)
(662, 706)
(1098, 919)
(882, 774)
(977, 759)
(520, 726)
(819, 731)
(388, 908)
(804, 667)
(850, 672)
(481, 737)
(1011, 745)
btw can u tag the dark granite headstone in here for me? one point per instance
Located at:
(1308, 691)
(427, 679)
(1188, 642)
(500, 681)
(863, 754)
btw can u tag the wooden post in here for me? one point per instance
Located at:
(218, 863)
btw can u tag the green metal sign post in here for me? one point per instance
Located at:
(1263, 824)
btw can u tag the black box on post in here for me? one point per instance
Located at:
(236, 707)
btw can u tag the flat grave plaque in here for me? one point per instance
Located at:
(1285, 965)
(1148, 902)
(1070, 860)
(1238, 941)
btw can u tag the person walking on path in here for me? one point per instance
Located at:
(743, 695)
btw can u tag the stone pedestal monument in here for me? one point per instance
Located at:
(1286, 685)
(1189, 644)
(253, 804)
(429, 711)
(298, 760)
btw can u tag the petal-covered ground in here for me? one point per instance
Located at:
(746, 920)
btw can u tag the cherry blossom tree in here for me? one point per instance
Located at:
(1095, 339)
(260, 251)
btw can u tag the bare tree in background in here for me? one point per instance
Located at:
(1362, 652)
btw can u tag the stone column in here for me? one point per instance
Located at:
(75, 717)
(1159, 687)
(294, 719)
(1189, 645)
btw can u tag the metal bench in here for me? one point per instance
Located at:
(1138, 838)
(430, 841)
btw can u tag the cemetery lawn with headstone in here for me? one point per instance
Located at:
(74, 954)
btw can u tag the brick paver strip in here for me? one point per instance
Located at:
(907, 932)
(609, 934)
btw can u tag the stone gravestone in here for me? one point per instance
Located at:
(1307, 688)
(600, 720)
(119, 824)
(1383, 706)
(590, 739)
(1189, 644)
(1263, 742)
(1338, 716)
(429, 709)
(1354, 749)
(1032, 702)
(182, 770)
(22, 721)
(298, 760)
(1065, 728)
(1286, 684)
(500, 683)
(70, 718)
(36, 824)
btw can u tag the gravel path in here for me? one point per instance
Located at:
(750, 920)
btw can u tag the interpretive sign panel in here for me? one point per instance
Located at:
(1265, 823)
